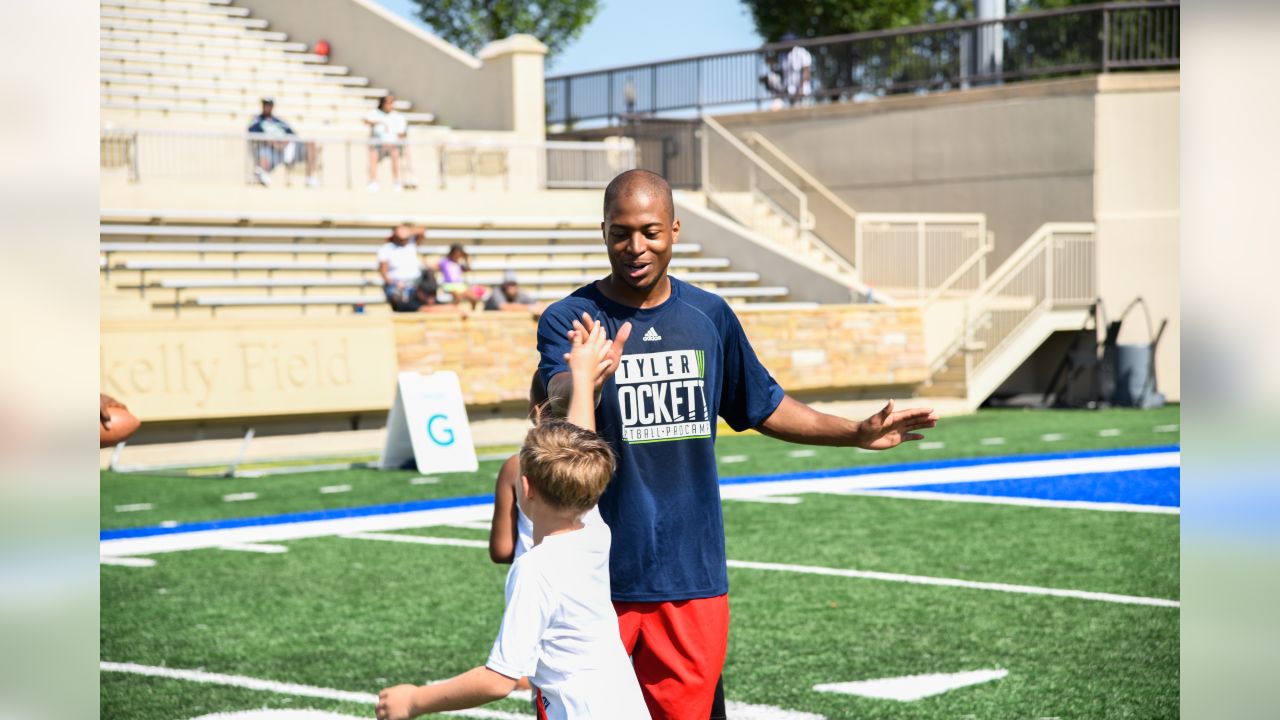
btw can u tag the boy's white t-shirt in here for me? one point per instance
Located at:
(560, 630)
(524, 529)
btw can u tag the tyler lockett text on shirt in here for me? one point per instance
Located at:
(661, 396)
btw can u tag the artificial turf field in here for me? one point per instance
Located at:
(344, 616)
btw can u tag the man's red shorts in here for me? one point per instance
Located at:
(678, 651)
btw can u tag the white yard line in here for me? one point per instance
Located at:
(126, 561)
(953, 582)
(802, 453)
(924, 445)
(199, 539)
(240, 497)
(1166, 428)
(424, 480)
(485, 525)
(418, 539)
(991, 441)
(1052, 437)
(1026, 502)
(731, 459)
(135, 507)
(255, 548)
(334, 489)
(773, 499)
(280, 688)
(1109, 432)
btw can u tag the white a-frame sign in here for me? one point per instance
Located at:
(428, 423)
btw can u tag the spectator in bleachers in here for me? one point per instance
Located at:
(269, 152)
(453, 281)
(322, 49)
(387, 132)
(401, 268)
(509, 297)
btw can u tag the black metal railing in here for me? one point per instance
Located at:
(1082, 39)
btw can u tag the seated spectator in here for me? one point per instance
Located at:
(268, 152)
(452, 267)
(509, 297)
(387, 132)
(401, 269)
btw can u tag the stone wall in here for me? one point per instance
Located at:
(834, 347)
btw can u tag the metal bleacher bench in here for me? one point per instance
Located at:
(538, 295)
(532, 283)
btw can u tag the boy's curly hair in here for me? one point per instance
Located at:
(567, 465)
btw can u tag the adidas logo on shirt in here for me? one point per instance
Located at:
(652, 336)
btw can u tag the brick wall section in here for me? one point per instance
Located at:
(831, 347)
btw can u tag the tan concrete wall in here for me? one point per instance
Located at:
(1137, 210)
(374, 42)
(1022, 154)
(177, 370)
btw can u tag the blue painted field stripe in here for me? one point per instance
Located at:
(1152, 486)
(940, 464)
(443, 503)
(298, 517)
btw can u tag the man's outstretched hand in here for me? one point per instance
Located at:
(614, 355)
(887, 429)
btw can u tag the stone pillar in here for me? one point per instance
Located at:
(514, 67)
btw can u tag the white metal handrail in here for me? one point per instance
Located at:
(921, 254)
(811, 182)
(800, 220)
(342, 159)
(1054, 268)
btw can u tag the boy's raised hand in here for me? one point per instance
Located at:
(614, 350)
(589, 355)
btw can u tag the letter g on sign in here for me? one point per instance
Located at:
(445, 431)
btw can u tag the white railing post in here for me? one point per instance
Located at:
(921, 282)
(1048, 270)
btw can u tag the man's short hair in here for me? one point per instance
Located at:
(568, 466)
(639, 181)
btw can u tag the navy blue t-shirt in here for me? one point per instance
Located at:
(687, 362)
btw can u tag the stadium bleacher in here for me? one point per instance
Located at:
(187, 267)
(210, 62)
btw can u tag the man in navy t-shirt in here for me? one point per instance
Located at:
(679, 360)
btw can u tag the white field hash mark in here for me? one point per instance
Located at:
(280, 688)
(952, 582)
(334, 489)
(240, 497)
(935, 445)
(912, 687)
(730, 459)
(802, 453)
(1109, 432)
(1052, 437)
(424, 480)
(991, 441)
(135, 507)
(1166, 428)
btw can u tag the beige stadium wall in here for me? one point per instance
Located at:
(500, 90)
(191, 371)
(1022, 153)
(1136, 208)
